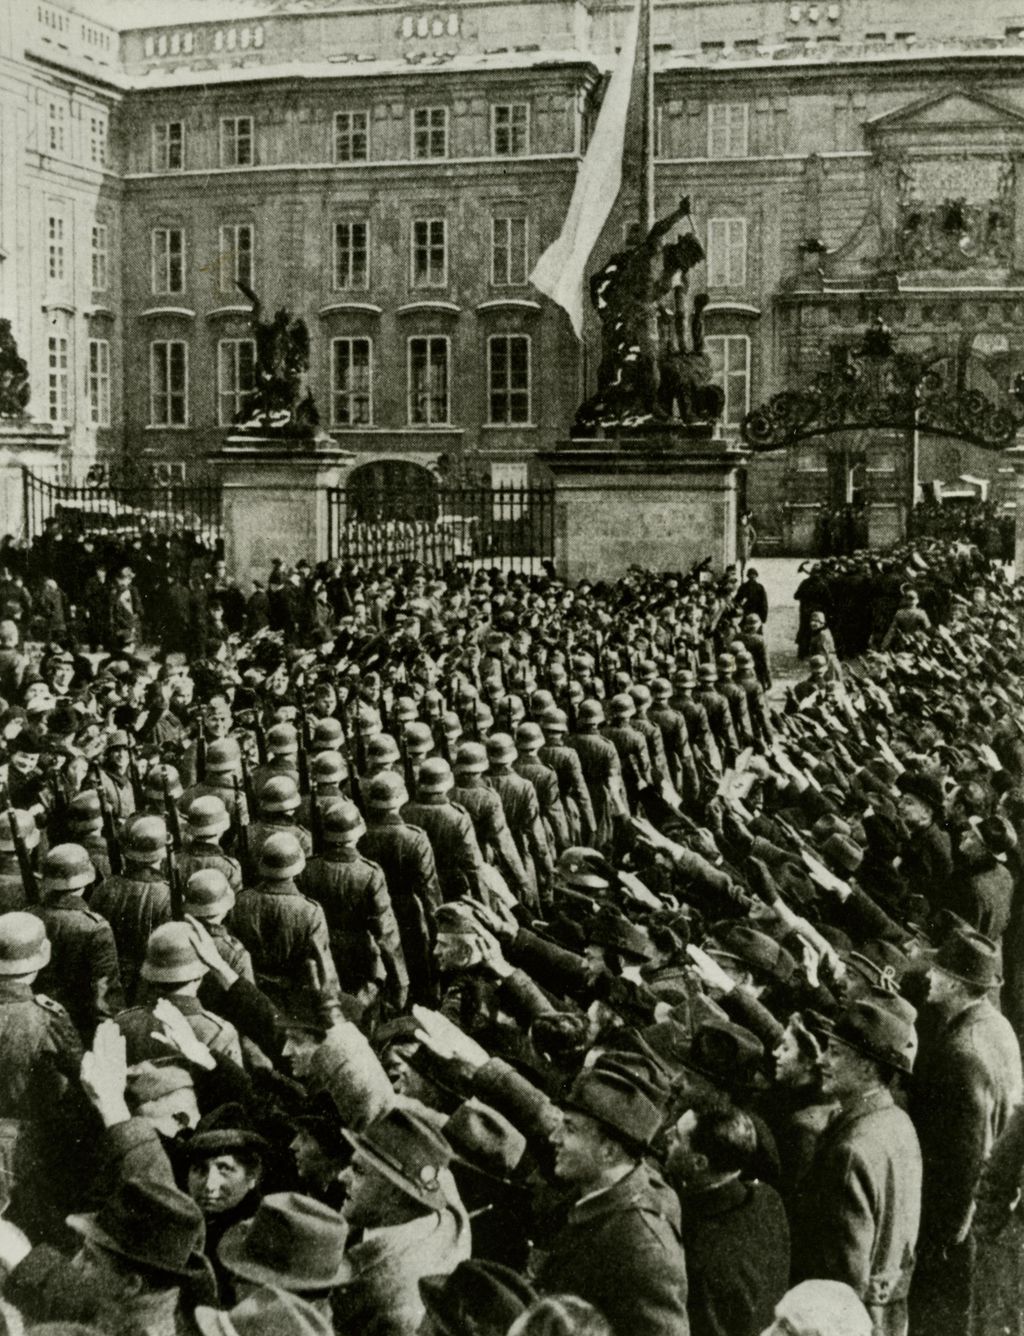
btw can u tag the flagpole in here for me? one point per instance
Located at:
(646, 54)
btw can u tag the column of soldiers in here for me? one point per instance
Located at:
(518, 961)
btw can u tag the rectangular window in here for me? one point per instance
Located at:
(236, 378)
(236, 146)
(169, 146)
(351, 383)
(508, 379)
(728, 124)
(99, 382)
(55, 247)
(168, 383)
(727, 252)
(55, 126)
(168, 260)
(100, 257)
(510, 130)
(509, 252)
(730, 362)
(235, 252)
(430, 132)
(351, 255)
(351, 136)
(429, 403)
(57, 377)
(509, 500)
(429, 253)
(98, 141)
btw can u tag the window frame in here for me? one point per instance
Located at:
(726, 110)
(351, 135)
(98, 382)
(336, 252)
(228, 252)
(100, 257)
(58, 383)
(429, 339)
(430, 132)
(511, 108)
(171, 394)
(351, 395)
(429, 247)
(508, 282)
(56, 256)
(98, 132)
(161, 145)
(236, 393)
(727, 374)
(719, 265)
(510, 392)
(233, 139)
(169, 290)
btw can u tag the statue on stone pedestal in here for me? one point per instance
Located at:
(653, 364)
(14, 383)
(280, 402)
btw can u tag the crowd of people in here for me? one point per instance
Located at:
(471, 953)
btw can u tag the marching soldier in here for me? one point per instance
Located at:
(473, 793)
(207, 822)
(278, 802)
(522, 812)
(353, 893)
(449, 828)
(140, 899)
(83, 974)
(528, 765)
(565, 762)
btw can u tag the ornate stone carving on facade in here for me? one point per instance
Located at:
(14, 380)
(955, 212)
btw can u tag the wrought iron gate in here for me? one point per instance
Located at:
(123, 510)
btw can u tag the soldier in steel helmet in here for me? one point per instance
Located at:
(474, 793)
(40, 1050)
(405, 854)
(83, 973)
(286, 933)
(208, 820)
(353, 892)
(278, 803)
(138, 900)
(448, 826)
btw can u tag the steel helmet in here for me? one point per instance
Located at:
(222, 755)
(340, 819)
(501, 750)
(171, 956)
(529, 738)
(327, 767)
(145, 839)
(282, 740)
(207, 893)
(208, 817)
(328, 735)
(67, 867)
(24, 945)
(435, 776)
(471, 757)
(386, 790)
(84, 812)
(279, 794)
(281, 857)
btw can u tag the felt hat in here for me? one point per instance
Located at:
(405, 1148)
(479, 1295)
(292, 1243)
(969, 956)
(616, 1098)
(484, 1140)
(881, 1026)
(267, 1312)
(151, 1224)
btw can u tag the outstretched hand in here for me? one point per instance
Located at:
(104, 1074)
(176, 1034)
(445, 1040)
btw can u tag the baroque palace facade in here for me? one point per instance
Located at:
(391, 170)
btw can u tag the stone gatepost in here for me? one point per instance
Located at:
(275, 499)
(37, 447)
(662, 500)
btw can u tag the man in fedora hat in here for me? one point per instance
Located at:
(401, 1193)
(926, 854)
(967, 1082)
(292, 1243)
(619, 1248)
(481, 1297)
(856, 1213)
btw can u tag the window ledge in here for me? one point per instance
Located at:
(509, 426)
(68, 308)
(101, 312)
(509, 303)
(222, 312)
(175, 426)
(443, 307)
(734, 308)
(366, 308)
(184, 311)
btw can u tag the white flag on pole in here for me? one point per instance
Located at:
(560, 271)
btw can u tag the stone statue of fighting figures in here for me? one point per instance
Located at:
(654, 367)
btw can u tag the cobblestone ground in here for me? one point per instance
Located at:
(780, 578)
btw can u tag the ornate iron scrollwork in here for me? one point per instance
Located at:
(876, 387)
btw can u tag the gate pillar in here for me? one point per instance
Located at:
(275, 500)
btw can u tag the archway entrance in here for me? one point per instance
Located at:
(391, 489)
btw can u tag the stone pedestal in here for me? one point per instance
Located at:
(275, 499)
(37, 447)
(663, 501)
